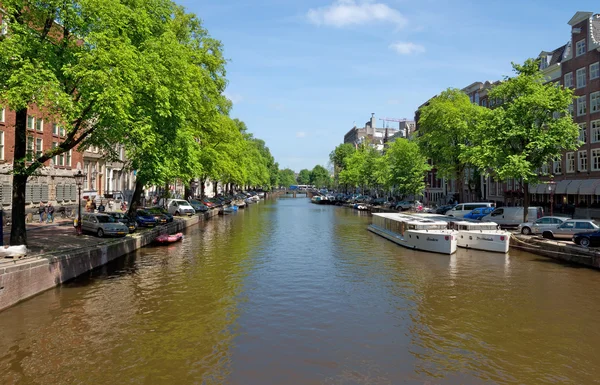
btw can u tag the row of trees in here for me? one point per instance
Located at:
(143, 74)
(319, 176)
(530, 125)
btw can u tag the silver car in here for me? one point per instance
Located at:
(538, 226)
(102, 224)
(568, 228)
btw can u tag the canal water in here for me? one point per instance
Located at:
(286, 292)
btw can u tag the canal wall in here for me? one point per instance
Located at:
(557, 250)
(30, 276)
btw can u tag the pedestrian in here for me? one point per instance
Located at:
(93, 206)
(50, 211)
(88, 205)
(101, 207)
(41, 211)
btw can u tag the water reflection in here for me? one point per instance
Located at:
(295, 293)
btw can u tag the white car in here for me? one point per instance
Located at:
(180, 207)
(538, 226)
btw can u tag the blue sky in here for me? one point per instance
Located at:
(302, 72)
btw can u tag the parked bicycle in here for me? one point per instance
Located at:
(65, 212)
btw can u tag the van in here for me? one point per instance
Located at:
(512, 216)
(462, 209)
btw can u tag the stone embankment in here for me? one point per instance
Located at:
(24, 278)
(558, 250)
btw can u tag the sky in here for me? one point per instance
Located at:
(301, 73)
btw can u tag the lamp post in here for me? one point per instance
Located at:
(551, 188)
(79, 176)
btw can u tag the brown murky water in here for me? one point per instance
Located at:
(287, 292)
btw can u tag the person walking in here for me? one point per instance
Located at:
(50, 212)
(41, 211)
(101, 207)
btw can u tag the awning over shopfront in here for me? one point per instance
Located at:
(561, 187)
(533, 188)
(573, 187)
(588, 187)
(542, 188)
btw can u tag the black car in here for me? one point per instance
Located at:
(443, 209)
(378, 201)
(126, 220)
(161, 215)
(587, 239)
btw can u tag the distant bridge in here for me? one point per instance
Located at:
(305, 193)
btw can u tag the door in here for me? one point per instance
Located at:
(566, 230)
(542, 224)
(497, 216)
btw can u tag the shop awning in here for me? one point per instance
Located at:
(573, 187)
(588, 187)
(542, 188)
(533, 188)
(561, 187)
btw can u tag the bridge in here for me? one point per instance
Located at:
(305, 193)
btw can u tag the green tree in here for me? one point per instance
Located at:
(319, 176)
(287, 177)
(304, 176)
(531, 126)
(339, 156)
(78, 61)
(446, 126)
(407, 167)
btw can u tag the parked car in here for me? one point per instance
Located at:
(124, 219)
(569, 228)
(161, 215)
(144, 219)
(479, 213)
(512, 216)
(102, 224)
(587, 239)
(443, 209)
(199, 207)
(462, 209)
(180, 207)
(378, 201)
(538, 226)
(404, 205)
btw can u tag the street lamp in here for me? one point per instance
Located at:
(427, 191)
(551, 188)
(79, 177)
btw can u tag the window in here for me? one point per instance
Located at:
(583, 225)
(498, 187)
(69, 156)
(581, 106)
(477, 98)
(29, 154)
(55, 157)
(39, 125)
(543, 62)
(38, 147)
(581, 77)
(497, 212)
(570, 162)
(596, 159)
(595, 70)
(580, 47)
(595, 131)
(54, 129)
(569, 80)
(567, 225)
(1, 145)
(545, 169)
(595, 101)
(583, 132)
(30, 122)
(582, 161)
(61, 159)
(2, 113)
(557, 167)
(571, 109)
(484, 102)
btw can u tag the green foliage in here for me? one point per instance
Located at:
(287, 177)
(362, 167)
(319, 177)
(304, 177)
(339, 156)
(407, 167)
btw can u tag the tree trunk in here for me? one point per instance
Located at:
(202, 182)
(215, 185)
(188, 189)
(460, 185)
(135, 200)
(525, 201)
(18, 231)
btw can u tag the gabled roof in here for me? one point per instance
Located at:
(595, 28)
(556, 56)
(579, 17)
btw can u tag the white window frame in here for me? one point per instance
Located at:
(557, 167)
(581, 77)
(38, 149)
(543, 62)
(570, 162)
(1, 145)
(582, 132)
(595, 131)
(581, 105)
(595, 155)
(55, 129)
(2, 115)
(582, 161)
(39, 125)
(69, 158)
(568, 80)
(30, 148)
(55, 157)
(595, 101)
(595, 70)
(30, 122)
(580, 48)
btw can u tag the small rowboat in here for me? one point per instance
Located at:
(166, 238)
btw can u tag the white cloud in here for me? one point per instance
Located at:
(350, 12)
(407, 48)
(301, 134)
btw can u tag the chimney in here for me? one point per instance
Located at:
(373, 122)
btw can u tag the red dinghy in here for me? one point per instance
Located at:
(166, 238)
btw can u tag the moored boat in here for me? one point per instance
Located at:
(164, 239)
(415, 233)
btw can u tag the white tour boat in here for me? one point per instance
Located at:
(414, 232)
(477, 235)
